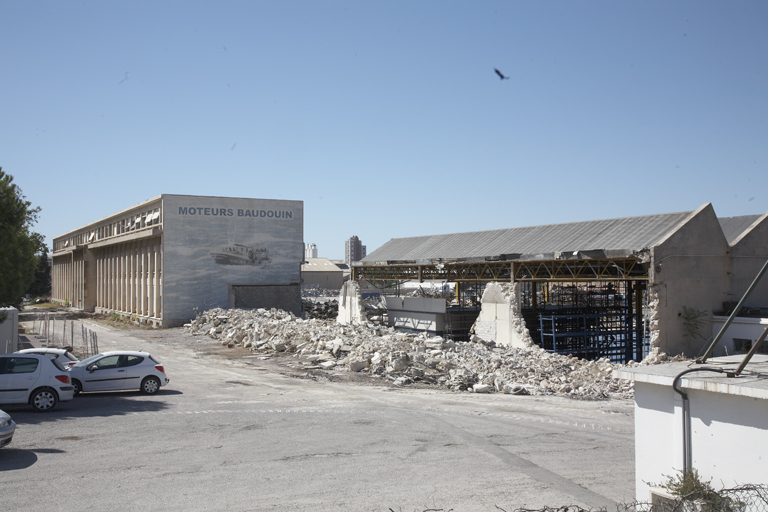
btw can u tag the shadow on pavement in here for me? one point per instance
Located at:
(87, 405)
(12, 459)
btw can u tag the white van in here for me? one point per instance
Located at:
(33, 379)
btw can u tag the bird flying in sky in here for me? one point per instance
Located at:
(501, 75)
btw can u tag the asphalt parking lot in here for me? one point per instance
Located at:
(233, 432)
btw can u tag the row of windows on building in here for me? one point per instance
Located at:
(126, 224)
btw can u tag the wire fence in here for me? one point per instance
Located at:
(64, 333)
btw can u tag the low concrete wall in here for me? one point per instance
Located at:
(740, 329)
(500, 319)
(418, 313)
(280, 296)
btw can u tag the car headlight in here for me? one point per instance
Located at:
(4, 423)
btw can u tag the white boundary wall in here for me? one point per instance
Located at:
(729, 424)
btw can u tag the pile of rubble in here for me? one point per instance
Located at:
(321, 309)
(406, 358)
(316, 291)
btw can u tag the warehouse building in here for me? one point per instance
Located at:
(616, 288)
(321, 273)
(159, 260)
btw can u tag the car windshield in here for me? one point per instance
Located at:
(86, 362)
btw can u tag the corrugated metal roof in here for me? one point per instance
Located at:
(733, 227)
(614, 236)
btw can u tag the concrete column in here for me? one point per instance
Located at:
(99, 282)
(110, 278)
(136, 276)
(151, 278)
(122, 278)
(115, 283)
(159, 280)
(143, 267)
(128, 301)
(113, 279)
(131, 277)
(156, 280)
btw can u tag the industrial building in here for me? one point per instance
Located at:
(321, 273)
(615, 288)
(161, 259)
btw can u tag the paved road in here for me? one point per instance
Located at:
(231, 434)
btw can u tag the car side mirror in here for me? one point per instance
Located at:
(93, 368)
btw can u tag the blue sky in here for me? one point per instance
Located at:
(386, 118)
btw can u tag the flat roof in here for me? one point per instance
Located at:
(752, 383)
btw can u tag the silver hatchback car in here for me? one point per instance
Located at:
(33, 379)
(110, 371)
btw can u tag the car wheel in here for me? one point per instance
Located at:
(78, 386)
(43, 400)
(150, 385)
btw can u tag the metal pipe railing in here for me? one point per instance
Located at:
(703, 359)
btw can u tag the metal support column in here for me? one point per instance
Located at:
(628, 322)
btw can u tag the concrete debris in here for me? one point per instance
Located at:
(322, 309)
(405, 358)
(316, 291)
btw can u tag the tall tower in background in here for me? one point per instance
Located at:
(353, 250)
(310, 251)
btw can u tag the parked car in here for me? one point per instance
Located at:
(65, 357)
(33, 379)
(119, 370)
(7, 428)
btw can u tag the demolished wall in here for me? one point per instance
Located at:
(500, 320)
(689, 269)
(404, 358)
(351, 307)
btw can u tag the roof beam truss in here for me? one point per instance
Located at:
(537, 270)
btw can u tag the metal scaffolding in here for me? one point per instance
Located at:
(588, 320)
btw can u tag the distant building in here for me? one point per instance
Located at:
(354, 250)
(310, 251)
(321, 272)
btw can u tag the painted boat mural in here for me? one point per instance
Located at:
(239, 254)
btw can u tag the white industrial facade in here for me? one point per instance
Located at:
(159, 260)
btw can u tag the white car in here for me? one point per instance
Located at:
(65, 357)
(33, 379)
(7, 428)
(119, 370)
